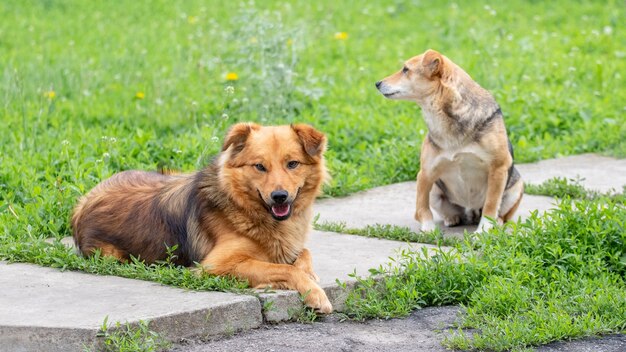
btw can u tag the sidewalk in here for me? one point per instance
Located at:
(45, 309)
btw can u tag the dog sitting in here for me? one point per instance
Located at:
(467, 170)
(247, 214)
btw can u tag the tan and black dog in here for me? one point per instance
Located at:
(467, 170)
(247, 214)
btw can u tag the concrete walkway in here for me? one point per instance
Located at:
(45, 309)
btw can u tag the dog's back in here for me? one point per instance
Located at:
(135, 213)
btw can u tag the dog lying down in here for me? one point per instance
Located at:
(467, 170)
(247, 214)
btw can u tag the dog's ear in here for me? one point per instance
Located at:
(433, 63)
(237, 136)
(313, 141)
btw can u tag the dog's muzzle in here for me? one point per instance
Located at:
(383, 89)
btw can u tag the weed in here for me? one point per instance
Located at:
(303, 314)
(562, 187)
(386, 231)
(559, 187)
(268, 306)
(57, 255)
(130, 338)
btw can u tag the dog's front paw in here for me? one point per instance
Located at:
(316, 298)
(484, 225)
(428, 226)
(313, 276)
(452, 220)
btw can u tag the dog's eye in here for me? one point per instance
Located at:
(260, 167)
(405, 69)
(293, 164)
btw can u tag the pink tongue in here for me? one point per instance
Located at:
(280, 209)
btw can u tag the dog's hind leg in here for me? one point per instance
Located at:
(106, 250)
(511, 201)
(451, 213)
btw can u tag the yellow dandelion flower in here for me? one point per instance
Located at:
(192, 19)
(341, 35)
(232, 76)
(289, 42)
(50, 94)
(140, 95)
(253, 40)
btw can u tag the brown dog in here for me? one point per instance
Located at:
(246, 215)
(467, 168)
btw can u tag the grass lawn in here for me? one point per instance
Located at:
(548, 278)
(89, 88)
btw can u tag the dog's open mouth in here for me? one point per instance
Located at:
(281, 211)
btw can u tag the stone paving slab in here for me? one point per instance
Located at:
(597, 172)
(335, 256)
(44, 309)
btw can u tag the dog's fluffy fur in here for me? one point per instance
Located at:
(467, 168)
(246, 215)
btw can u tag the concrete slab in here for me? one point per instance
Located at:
(335, 256)
(599, 173)
(46, 309)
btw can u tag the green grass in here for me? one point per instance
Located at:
(561, 187)
(548, 278)
(386, 231)
(129, 338)
(57, 255)
(303, 314)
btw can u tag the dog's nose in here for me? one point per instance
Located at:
(280, 196)
(378, 84)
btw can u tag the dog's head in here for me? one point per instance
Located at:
(277, 170)
(419, 77)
